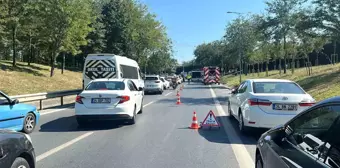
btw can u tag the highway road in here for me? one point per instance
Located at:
(160, 138)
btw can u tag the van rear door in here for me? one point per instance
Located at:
(97, 67)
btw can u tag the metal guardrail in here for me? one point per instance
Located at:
(47, 95)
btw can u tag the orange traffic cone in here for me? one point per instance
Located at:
(194, 124)
(178, 100)
(178, 93)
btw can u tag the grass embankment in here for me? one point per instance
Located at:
(323, 83)
(25, 79)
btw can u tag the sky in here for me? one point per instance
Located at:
(193, 22)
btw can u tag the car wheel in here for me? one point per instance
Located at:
(259, 162)
(141, 108)
(29, 123)
(229, 110)
(133, 119)
(241, 126)
(20, 162)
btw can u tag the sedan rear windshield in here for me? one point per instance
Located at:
(277, 87)
(106, 85)
(151, 78)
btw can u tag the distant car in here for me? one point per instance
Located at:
(109, 99)
(16, 150)
(265, 103)
(153, 84)
(17, 117)
(166, 84)
(311, 139)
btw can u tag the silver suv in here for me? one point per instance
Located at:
(153, 84)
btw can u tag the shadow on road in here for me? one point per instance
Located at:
(221, 136)
(69, 124)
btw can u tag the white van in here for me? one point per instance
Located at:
(111, 66)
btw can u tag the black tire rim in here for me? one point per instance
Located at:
(29, 123)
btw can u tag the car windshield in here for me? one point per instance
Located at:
(162, 79)
(103, 85)
(151, 78)
(277, 87)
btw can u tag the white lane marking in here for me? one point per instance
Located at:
(168, 94)
(50, 112)
(242, 155)
(148, 103)
(61, 147)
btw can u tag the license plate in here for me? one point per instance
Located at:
(286, 107)
(101, 100)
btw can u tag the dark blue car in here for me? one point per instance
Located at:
(311, 139)
(17, 117)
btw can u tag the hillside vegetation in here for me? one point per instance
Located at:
(323, 83)
(24, 79)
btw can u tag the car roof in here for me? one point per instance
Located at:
(111, 80)
(335, 99)
(269, 80)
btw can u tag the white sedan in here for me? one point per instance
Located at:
(109, 99)
(166, 84)
(265, 103)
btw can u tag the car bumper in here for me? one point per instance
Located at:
(255, 117)
(32, 154)
(106, 117)
(126, 110)
(153, 89)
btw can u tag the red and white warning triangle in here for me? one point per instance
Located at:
(210, 120)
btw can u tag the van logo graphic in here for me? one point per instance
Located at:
(100, 69)
(285, 98)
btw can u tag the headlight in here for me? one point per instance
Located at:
(29, 138)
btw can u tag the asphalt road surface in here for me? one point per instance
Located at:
(159, 139)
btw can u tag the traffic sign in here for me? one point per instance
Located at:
(210, 120)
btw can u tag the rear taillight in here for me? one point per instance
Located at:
(157, 81)
(123, 99)
(306, 104)
(259, 102)
(79, 99)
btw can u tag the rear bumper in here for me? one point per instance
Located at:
(107, 117)
(153, 89)
(255, 117)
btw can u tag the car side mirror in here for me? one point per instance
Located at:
(15, 101)
(140, 89)
(233, 91)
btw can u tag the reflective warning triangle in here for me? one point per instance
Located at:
(210, 120)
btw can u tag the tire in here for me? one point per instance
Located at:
(20, 162)
(229, 110)
(160, 92)
(141, 108)
(29, 123)
(241, 126)
(258, 162)
(132, 121)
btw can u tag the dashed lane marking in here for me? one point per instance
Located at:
(242, 155)
(61, 147)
